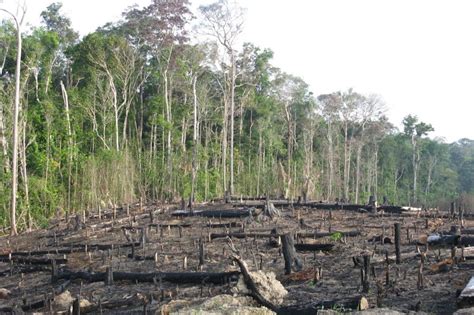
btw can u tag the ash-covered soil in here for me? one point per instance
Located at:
(173, 245)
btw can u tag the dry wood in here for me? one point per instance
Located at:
(174, 277)
(292, 261)
(34, 260)
(267, 235)
(313, 247)
(252, 286)
(215, 213)
(466, 298)
(24, 269)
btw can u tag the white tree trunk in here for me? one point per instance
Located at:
(16, 110)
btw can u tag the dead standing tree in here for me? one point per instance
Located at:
(223, 21)
(292, 261)
(18, 22)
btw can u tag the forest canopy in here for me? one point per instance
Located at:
(142, 108)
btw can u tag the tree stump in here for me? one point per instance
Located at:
(292, 261)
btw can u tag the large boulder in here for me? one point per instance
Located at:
(267, 285)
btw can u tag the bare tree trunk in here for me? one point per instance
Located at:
(24, 174)
(3, 138)
(357, 179)
(330, 161)
(48, 74)
(115, 105)
(4, 142)
(16, 110)
(195, 138)
(70, 145)
(232, 110)
(289, 149)
(224, 144)
(206, 162)
(346, 162)
(168, 134)
(259, 160)
(431, 166)
(376, 170)
(415, 162)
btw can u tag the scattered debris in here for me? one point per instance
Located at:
(4, 293)
(63, 300)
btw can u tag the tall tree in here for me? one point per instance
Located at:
(223, 21)
(18, 23)
(161, 27)
(415, 131)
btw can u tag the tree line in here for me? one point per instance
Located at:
(143, 108)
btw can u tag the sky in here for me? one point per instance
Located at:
(418, 55)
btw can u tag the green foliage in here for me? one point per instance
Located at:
(287, 142)
(336, 236)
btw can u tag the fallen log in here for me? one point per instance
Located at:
(466, 241)
(34, 260)
(466, 298)
(300, 235)
(350, 303)
(248, 198)
(141, 258)
(314, 247)
(450, 240)
(173, 277)
(239, 235)
(312, 205)
(69, 249)
(112, 304)
(252, 286)
(24, 269)
(224, 225)
(320, 206)
(443, 240)
(214, 213)
(328, 234)
(38, 253)
(170, 225)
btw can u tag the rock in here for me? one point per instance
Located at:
(84, 303)
(363, 304)
(465, 311)
(174, 307)
(268, 286)
(379, 311)
(221, 304)
(4, 293)
(375, 311)
(63, 300)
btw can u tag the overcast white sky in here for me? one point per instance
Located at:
(419, 55)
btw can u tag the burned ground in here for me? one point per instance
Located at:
(143, 260)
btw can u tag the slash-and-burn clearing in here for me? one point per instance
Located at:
(256, 257)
